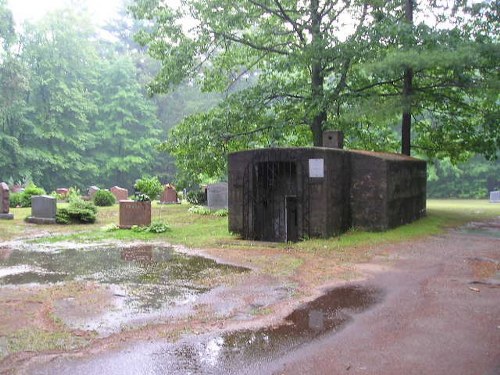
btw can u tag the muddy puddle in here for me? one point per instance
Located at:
(483, 229)
(144, 282)
(227, 353)
(238, 352)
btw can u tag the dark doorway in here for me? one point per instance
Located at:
(292, 228)
(274, 181)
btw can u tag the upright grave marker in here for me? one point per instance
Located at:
(120, 194)
(43, 209)
(494, 196)
(217, 196)
(169, 194)
(4, 202)
(134, 213)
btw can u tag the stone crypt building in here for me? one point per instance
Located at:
(285, 194)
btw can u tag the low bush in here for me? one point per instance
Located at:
(222, 212)
(200, 210)
(78, 211)
(155, 227)
(104, 198)
(28, 192)
(15, 199)
(150, 186)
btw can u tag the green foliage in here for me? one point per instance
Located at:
(196, 197)
(289, 71)
(28, 192)
(78, 211)
(221, 213)
(200, 210)
(76, 101)
(104, 198)
(155, 227)
(150, 186)
(74, 194)
(473, 179)
(15, 199)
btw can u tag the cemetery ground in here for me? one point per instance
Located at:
(432, 300)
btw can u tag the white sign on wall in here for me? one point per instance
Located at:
(317, 168)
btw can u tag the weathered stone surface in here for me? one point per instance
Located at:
(169, 194)
(217, 196)
(62, 191)
(4, 202)
(4, 198)
(333, 139)
(43, 209)
(290, 193)
(495, 197)
(134, 213)
(91, 191)
(120, 194)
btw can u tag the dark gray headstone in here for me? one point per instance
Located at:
(217, 196)
(494, 196)
(4, 202)
(43, 209)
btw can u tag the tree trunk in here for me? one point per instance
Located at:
(406, 120)
(317, 79)
(407, 92)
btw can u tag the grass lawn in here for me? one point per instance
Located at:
(206, 231)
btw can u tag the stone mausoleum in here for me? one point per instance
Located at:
(285, 194)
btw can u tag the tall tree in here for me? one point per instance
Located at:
(62, 58)
(332, 64)
(126, 126)
(295, 46)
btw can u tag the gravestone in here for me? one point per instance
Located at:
(4, 202)
(120, 194)
(134, 213)
(169, 194)
(494, 196)
(43, 209)
(91, 192)
(62, 191)
(17, 188)
(217, 196)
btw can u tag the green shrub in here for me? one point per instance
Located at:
(196, 197)
(28, 192)
(74, 193)
(149, 186)
(155, 227)
(223, 212)
(200, 210)
(104, 198)
(15, 199)
(78, 211)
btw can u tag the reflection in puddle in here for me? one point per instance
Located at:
(143, 279)
(232, 352)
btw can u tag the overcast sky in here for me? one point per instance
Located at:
(101, 10)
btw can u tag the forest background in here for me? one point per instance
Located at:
(84, 105)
